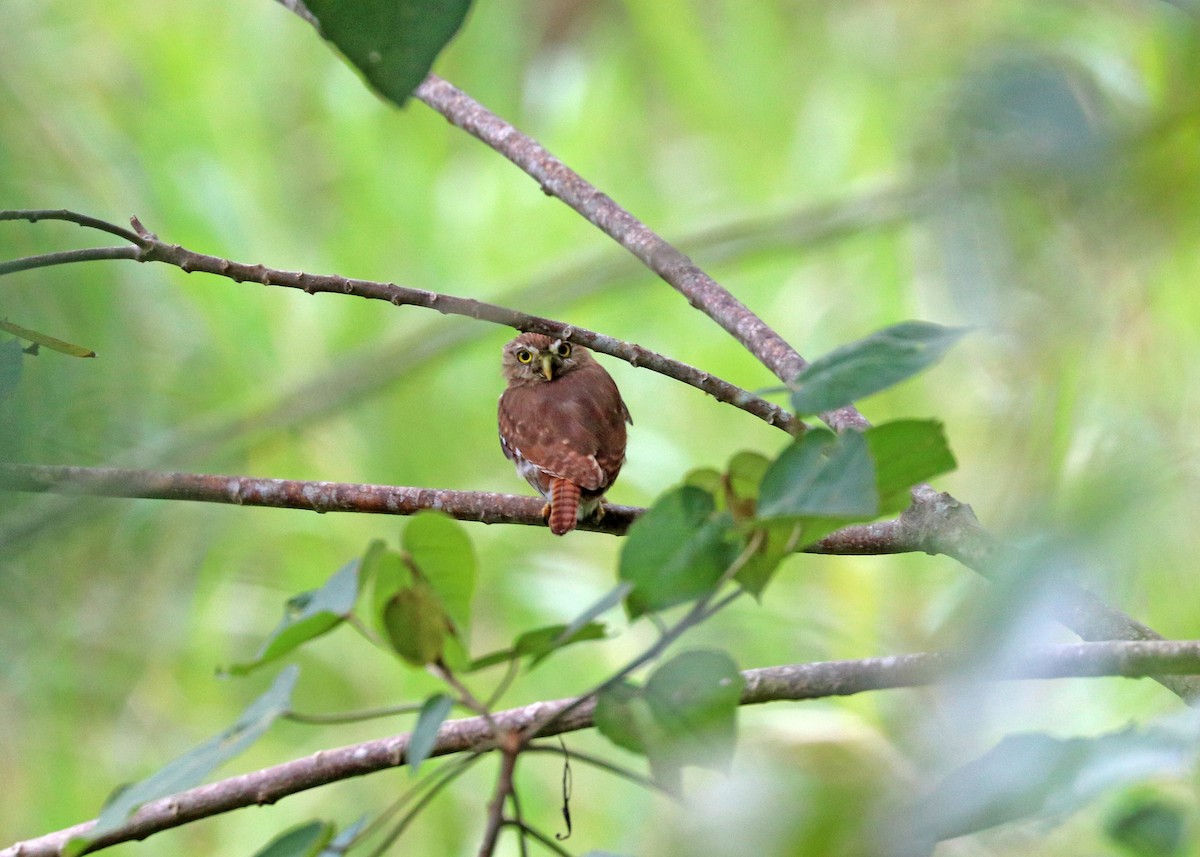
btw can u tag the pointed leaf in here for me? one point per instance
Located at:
(192, 768)
(694, 698)
(676, 551)
(441, 549)
(424, 734)
(309, 615)
(906, 452)
(304, 840)
(821, 474)
(869, 365)
(392, 42)
(45, 341)
(540, 643)
(415, 624)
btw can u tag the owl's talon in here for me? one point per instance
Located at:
(546, 512)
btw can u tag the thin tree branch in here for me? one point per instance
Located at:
(768, 684)
(510, 749)
(151, 249)
(67, 257)
(558, 180)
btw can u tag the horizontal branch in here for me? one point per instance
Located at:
(768, 684)
(149, 248)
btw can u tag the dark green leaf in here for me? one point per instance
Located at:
(623, 716)
(309, 615)
(392, 42)
(305, 840)
(415, 624)
(694, 699)
(1150, 828)
(441, 549)
(869, 365)
(424, 734)
(11, 359)
(193, 768)
(777, 541)
(906, 452)
(676, 551)
(821, 475)
(45, 341)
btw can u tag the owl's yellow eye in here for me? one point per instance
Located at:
(564, 349)
(523, 356)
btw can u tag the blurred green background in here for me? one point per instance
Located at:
(1028, 168)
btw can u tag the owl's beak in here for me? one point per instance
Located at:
(548, 366)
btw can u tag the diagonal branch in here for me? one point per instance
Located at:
(769, 684)
(152, 249)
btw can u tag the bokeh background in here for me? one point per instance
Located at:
(1030, 169)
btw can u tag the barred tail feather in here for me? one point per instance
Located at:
(564, 505)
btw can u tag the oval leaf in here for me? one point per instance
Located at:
(441, 549)
(694, 698)
(821, 475)
(906, 452)
(415, 624)
(869, 365)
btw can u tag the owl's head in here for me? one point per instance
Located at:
(534, 358)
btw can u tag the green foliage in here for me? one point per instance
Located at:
(686, 714)
(303, 840)
(391, 42)
(192, 768)
(440, 549)
(869, 365)
(1150, 827)
(420, 744)
(539, 643)
(308, 616)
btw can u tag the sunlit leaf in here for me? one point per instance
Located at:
(821, 474)
(906, 452)
(676, 551)
(424, 734)
(45, 341)
(304, 840)
(192, 768)
(869, 365)
(309, 615)
(415, 625)
(392, 42)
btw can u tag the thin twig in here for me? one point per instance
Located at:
(67, 257)
(542, 838)
(334, 719)
(510, 749)
(604, 765)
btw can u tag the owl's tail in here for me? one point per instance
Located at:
(564, 505)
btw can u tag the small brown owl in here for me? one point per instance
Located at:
(562, 422)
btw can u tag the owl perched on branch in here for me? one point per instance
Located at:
(562, 422)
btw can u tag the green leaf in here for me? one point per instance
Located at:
(45, 341)
(424, 734)
(906, 452)
(415, 625)
(392, 42)
(676, 551)
(1150, 828)
(441, 549)
(309, 615)
(388, 575)
(706, 479)
(304, 840)
(192, 768)
(342, 842)
(822, 475)
(623, 716)
(869, 365)
(540, 643)
(11, 364)
(778, 541)
(694, 698)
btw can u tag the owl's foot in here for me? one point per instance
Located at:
(546, 513)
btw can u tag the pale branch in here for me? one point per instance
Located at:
(149, 248)
(768, 684)
(558, 180)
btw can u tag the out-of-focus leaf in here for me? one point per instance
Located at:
(415, 625)
(45, 341)
(676, 551)
(694, 698)
(1032, 774)
(821, 475)
(869, 365)
(906, 452)
(392, 42)
(193, 767)
(342, 842)
(424, 734)
(10, 368)
(388, 575)
(743, 479)
(706, 479)
(309, 615)
(304, 840)
(441, 549)
(1150, 828)
(623, 716)
(540, 643)
(777, 541)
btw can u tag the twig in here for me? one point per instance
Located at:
(791, 682)
(560, 181)
(151, 249)
(351, 716)
(536, 834)
(510, 749)
(605, 765)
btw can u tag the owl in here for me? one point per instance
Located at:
(562, 422)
